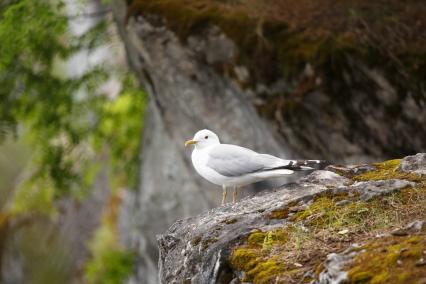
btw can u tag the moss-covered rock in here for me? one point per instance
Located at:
(327, 235)
(390, 260)
(388, 170)
(327, 224)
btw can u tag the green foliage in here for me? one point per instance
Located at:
(66, 130)
(119, 125)
(112, 267)
(110, 263)
(30, 35)
(72, 131)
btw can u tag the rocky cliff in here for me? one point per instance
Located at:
(352, 224)
(342, 82)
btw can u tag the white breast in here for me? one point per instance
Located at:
(199, 160)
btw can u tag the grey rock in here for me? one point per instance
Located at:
(191, 86)
(350, 169)
(370, 189)
(415, 226)
(414, 164)
(360, 169)
(412, 228)
(185, 95)
(327, 178)
(333, 272)
(196, 249)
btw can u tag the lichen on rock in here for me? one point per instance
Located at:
(304, 233)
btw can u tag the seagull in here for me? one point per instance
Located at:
(234, 166)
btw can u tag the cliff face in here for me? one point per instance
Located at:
(357, 224)
(340, 82)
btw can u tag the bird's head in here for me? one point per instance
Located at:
(203, 138)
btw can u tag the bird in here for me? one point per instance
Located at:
(234, 166)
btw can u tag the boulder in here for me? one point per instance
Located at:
(302, 232)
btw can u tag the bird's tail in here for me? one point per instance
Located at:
(303, 165)
(309, 164)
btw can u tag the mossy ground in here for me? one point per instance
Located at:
(254, 257)
(392, 260)
(387, 170)
(326, 226)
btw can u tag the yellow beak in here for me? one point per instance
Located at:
(190, 142)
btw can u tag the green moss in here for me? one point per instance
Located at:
(324, 213)
(264, 272)
(269, 256)
(389, 260)
(320, 205)
(257, 268)
(387, 170)
(244, 258)
(263, 239)
(256, 239)
(375, 214)
(272, 238)
(279, 214)
(255, 259)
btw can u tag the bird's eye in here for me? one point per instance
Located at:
(206, 137)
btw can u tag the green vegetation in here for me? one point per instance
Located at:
(387, 170)
(253, 257)
(66, 129)
(110, 263)
(327, 225)
(390, 260)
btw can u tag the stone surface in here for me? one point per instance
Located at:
(415, 164)
(202, 244)
(336, 263)
(199, 82)
(326, 178)
(333, 272)
(198, 249)
(370, 189)
(185, 95)
(412, 228)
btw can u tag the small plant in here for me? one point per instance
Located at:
(268, 241)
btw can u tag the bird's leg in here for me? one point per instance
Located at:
(224, 194)
(234, 195)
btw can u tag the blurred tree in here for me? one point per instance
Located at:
(61, 119)
(68, 122)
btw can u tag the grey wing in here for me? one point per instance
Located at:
(231, 160)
